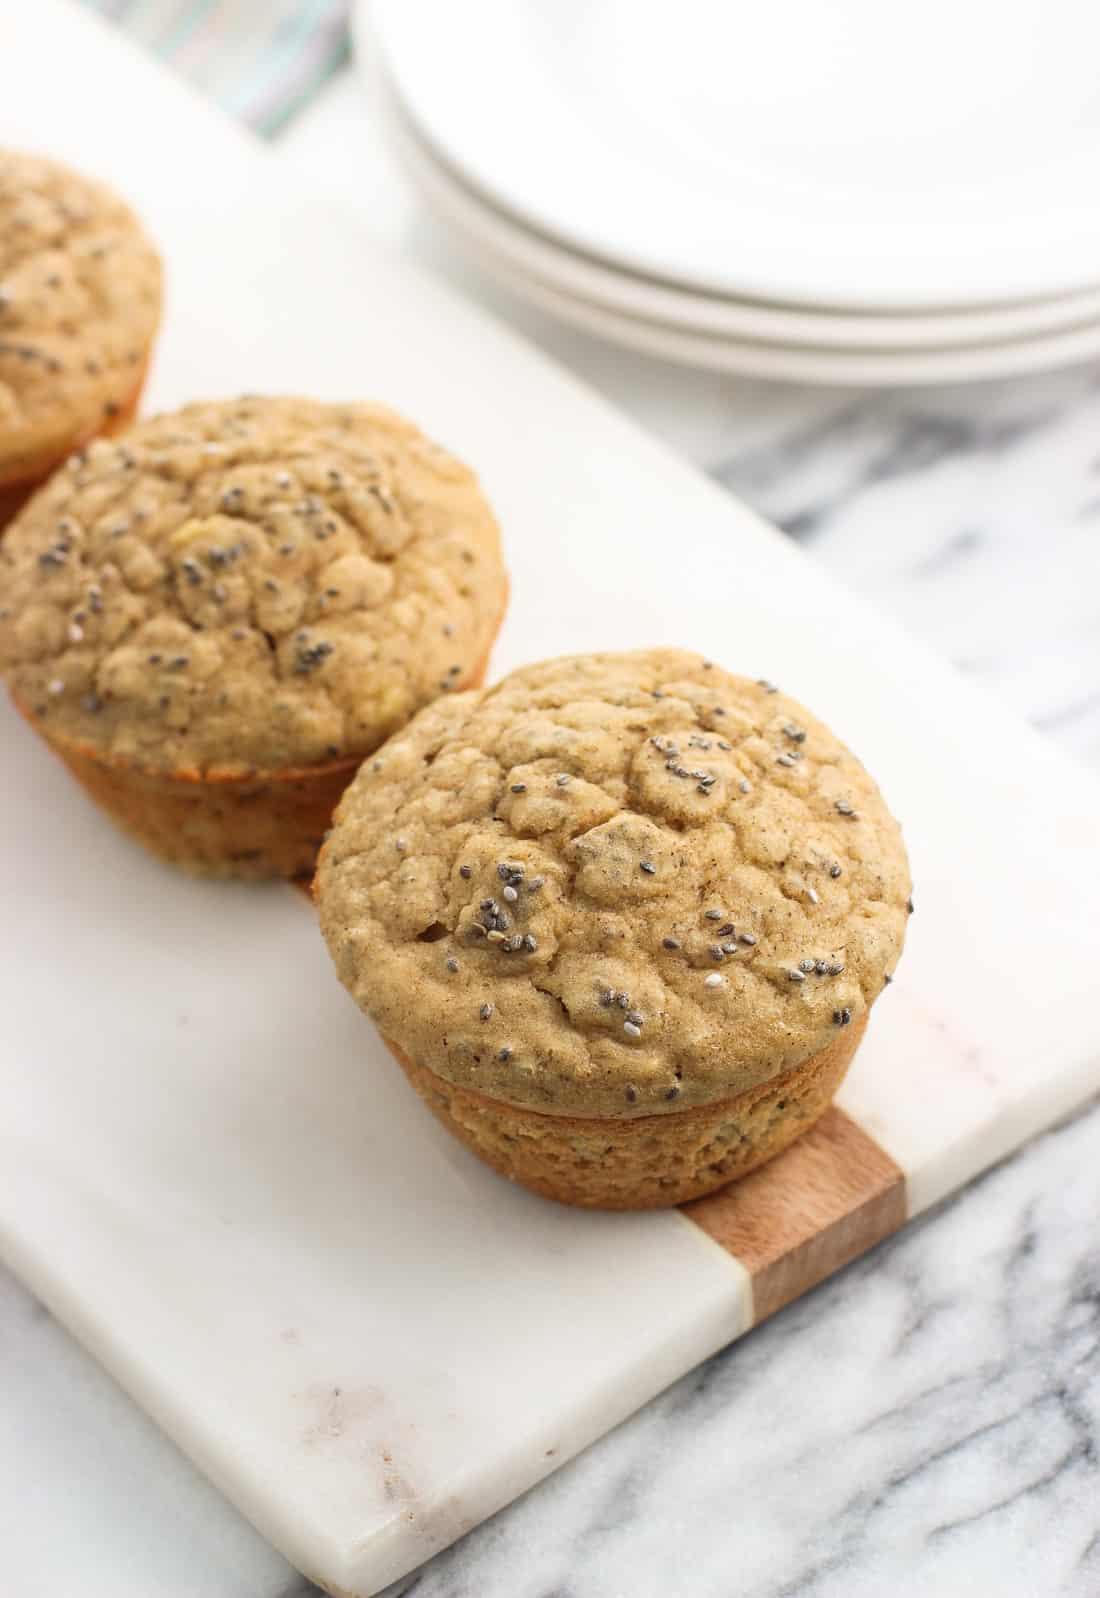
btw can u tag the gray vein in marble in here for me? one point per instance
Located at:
(967, 513)
(947, 556)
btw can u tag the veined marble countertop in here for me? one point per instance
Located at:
(928, 1422)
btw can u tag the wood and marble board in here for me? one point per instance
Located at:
(211, 1171)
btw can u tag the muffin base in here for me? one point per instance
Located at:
(270, 824)
(15, 493)
(258, 826)
(650, 1162)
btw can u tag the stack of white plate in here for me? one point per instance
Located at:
(851, 192)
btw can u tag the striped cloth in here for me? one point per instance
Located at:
(262, 60)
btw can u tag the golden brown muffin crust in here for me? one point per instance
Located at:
(80, 294)
(244, 585)
(614, 885)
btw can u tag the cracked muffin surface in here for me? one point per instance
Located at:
(248, 585)
(80, 295)
(614, 885)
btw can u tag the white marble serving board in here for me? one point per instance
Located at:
(209, 1169)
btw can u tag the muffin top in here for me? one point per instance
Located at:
(248, 585)
(614, 885)
(79, 304)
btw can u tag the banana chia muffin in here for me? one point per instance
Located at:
(80, 297)
(620, 918)
(213, 618)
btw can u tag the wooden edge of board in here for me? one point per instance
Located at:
(824, 1201)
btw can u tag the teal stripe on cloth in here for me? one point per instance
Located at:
(261, 60)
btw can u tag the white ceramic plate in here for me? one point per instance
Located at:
(474, 229)
(841, 155)
(532, 254)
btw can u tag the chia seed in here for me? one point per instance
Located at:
(309, 656)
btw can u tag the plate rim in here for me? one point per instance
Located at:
(529, 251)
(754, 358)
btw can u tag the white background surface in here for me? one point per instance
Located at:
(968, 514)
